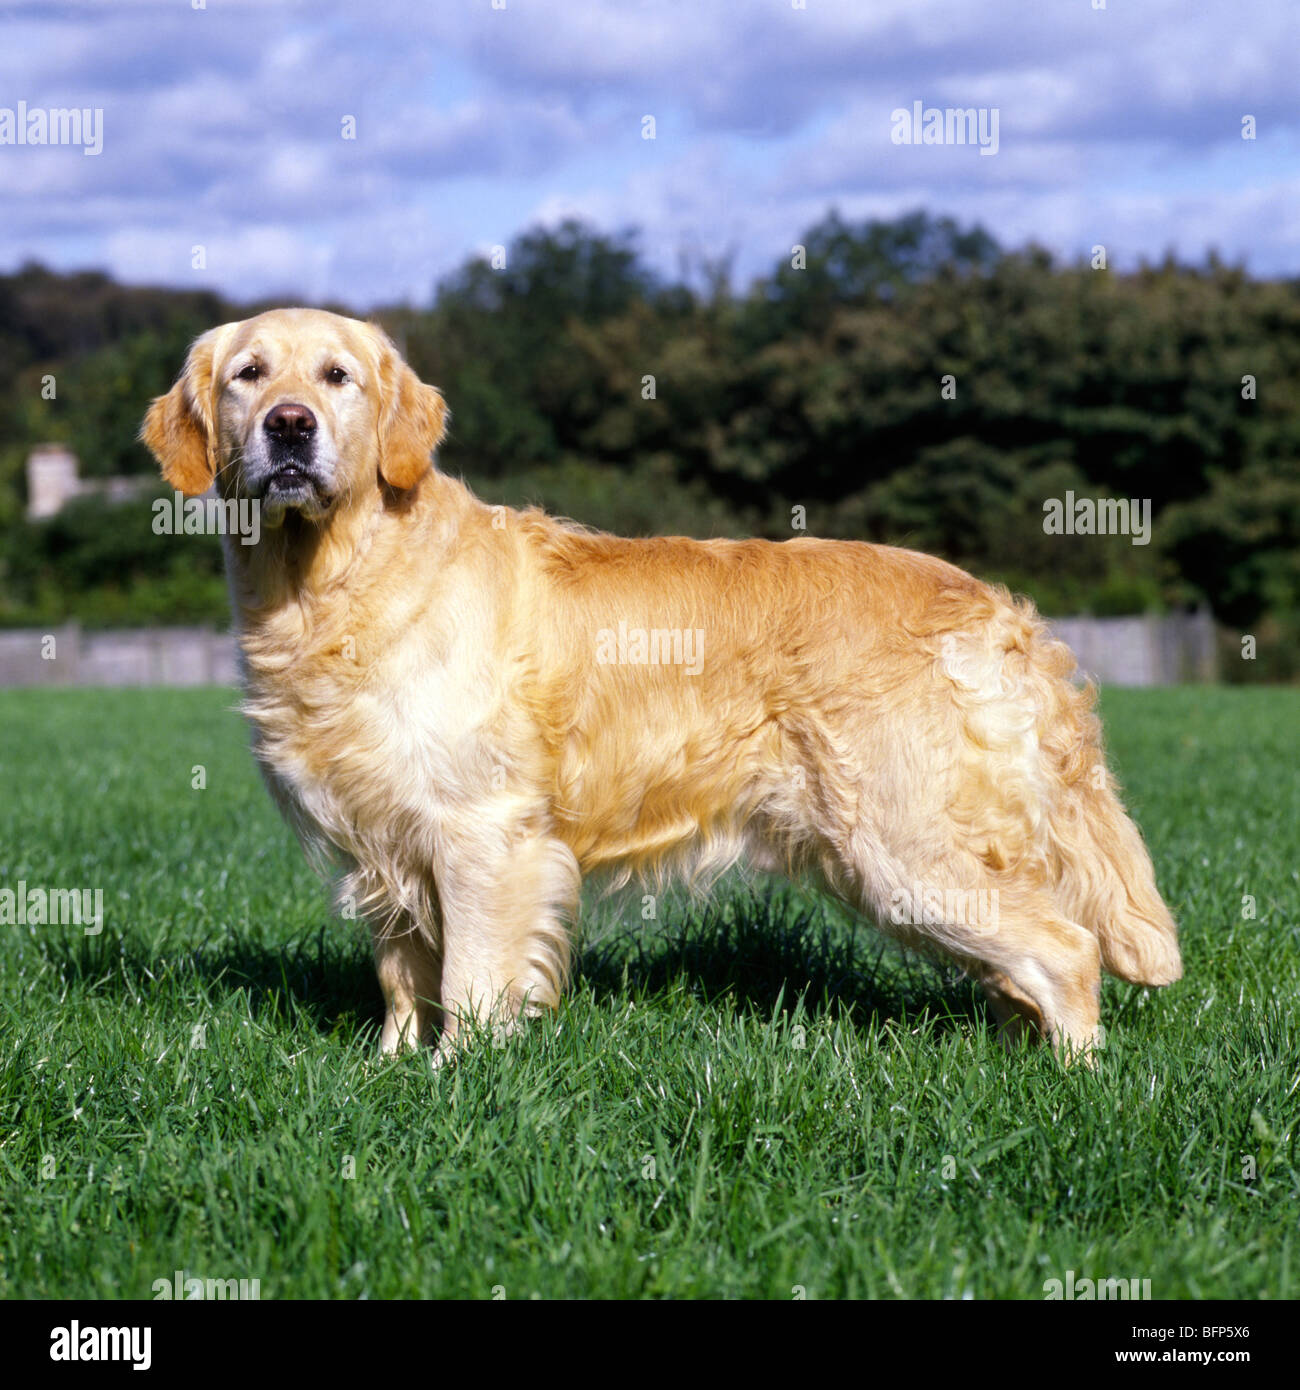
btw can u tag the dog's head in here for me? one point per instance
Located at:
(300, 409)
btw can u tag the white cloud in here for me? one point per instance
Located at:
(223, 126)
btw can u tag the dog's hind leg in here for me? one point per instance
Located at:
(1041, 972)
(1018, 1017)
(1044, 972)
(1043, 979)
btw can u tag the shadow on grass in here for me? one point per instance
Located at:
(325, 976)
(772, 950)
(766, 951)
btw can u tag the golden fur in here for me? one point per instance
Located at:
(443, 706)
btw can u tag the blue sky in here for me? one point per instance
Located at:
(223, 128)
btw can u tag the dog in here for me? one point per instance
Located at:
(463, 710)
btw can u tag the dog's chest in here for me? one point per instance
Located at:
(372, 766)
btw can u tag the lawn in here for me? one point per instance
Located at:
(748, 1099)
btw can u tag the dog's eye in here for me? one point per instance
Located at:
(336, 376)
(249, 373)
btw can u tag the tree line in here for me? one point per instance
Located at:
(907, 381)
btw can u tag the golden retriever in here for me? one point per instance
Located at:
(467, 708)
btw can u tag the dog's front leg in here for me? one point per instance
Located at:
(507, 899)
(410, 975)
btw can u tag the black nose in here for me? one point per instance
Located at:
(290, 423)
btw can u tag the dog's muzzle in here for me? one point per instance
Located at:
(291, 478)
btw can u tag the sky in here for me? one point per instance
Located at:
(225, 125)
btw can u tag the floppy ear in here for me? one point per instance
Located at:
(179, 428)
(412, 421)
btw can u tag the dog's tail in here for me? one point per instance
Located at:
(1046, 807)
(1104, 877)
(1107, 883)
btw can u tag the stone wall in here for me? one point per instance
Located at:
(134, 656)
(1149, 650)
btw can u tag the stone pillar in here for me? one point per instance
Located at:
(51, 479)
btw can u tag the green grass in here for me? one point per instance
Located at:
(744, 1099)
